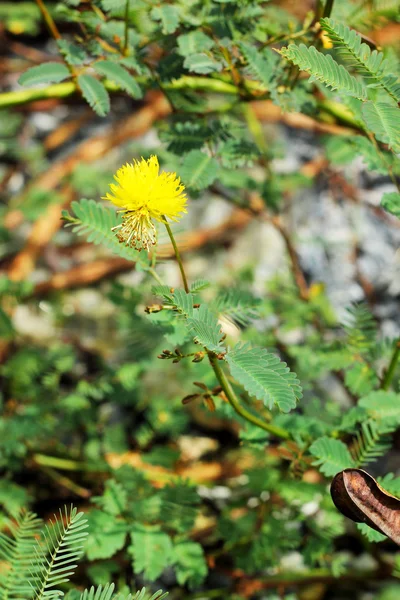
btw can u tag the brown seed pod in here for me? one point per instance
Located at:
(359, 497)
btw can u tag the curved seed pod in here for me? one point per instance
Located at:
(359, 497)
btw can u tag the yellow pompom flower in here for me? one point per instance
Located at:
(144, 194)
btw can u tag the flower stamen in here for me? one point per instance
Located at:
(137, 230)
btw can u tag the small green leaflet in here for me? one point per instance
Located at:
(202, 323)
(198, 170)
(382, 405)
(261, 65)
(194, 42)
(324, 68)
(383, 120)
(190, 564)
(371, 534)
(168, 15)
(391, 203)
(120, 76)
(73, 54)
(151, 550)
(201, 63)
(113, 5)
(95, 94)
(332, 455)
(106, 536)
(50, 72)
(6, 326)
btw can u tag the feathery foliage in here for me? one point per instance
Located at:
(94, 93)
(50, 72)
(332, 455)
(120, 76)
(361, 330)
(17, 550)
(198, 170)
(372, 441)
(56, 554)
(107, 593)
(238, 306)
(264, 376)
(201, 321)
(324, 68)
(176, 421)
(261, 65)
(383, 120)
(369, 63)
(95, 221)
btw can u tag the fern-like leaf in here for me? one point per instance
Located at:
(199, 170)
(100, 593)
(17, 551)
(383, 120)
(382, 406)
(325, 69)
(50, 72)
(107, 593)
(164, 291)
(142, 595)
(120, 76)
(198, 285)
(238, 306)
(169, 16)
(261, 65)
(372, 441)
(332, 455)
(265, 376)
(370, 63)
(56, 555)
(361, 329)
(96, 221)
(391, 202)
(371, 534)
(95, 94)
(206, 329)
(201, 321)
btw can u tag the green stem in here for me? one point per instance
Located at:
(238, 408)
(67, 483)
(126, 41)
(178, 256)
(204, 84)
(154, 274)
(219, 373)
(65, 464)
(57, 90)
(65, 89)
(341, 113)
(390, 371)
(328, 8)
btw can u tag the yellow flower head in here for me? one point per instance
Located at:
(143, 193)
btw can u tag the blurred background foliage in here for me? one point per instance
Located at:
(283, 125)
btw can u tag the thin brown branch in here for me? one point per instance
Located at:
(268, 112)
(296, 269)
(66, 130)
(48, 20)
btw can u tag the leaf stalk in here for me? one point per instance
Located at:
(390, 371)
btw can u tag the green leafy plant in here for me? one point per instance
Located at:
(192, 366)
(35, 569)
